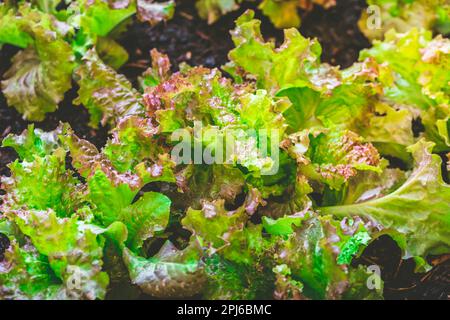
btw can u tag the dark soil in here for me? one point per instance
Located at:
(4, 244)
(186, 38)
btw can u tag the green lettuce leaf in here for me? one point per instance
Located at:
(155, 12)
(11, 28)
(211, 10)
(42, 73)
(282, 226)
(33, 143)
(25, 275)
(98, 17)
(403, 15)
(232, 281)
(107, 95)
(171, 273)
(418, 210)
(42, 167)
(113, 192)
(332, 156)
(347, 101)
(145, 218)
(158, 72)
(220, 230)
(112, 53)
(416, 76)
(73, 249)
(317, 254)
(296, 62)
(283, 14)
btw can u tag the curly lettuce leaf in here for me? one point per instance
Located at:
(113, 192)
(213, 222)
(283, 14)
(287, 288)
(403, 15)
(99, 17)
(347, 103)
(209, 97)
(211, 10)
(28, 179)
(33, 143)
(11, 28)
(154, 12)
(133, 147)
(282, 226)
(26, 275)
(332, 156)
(158, 72)
(124, 160)
(171, 273)
(107, 95)
(145, 218)
(228, 280)
(317, 254)
(42, 73)
(418, 210)
(112, 53)
(42, 167)
(415, 77)
(296, 62)
(73, 248)
(227, 232)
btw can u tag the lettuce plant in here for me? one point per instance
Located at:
(375, 21)
(130, 217)
(282, 13)
(403, 15)
(55, 43)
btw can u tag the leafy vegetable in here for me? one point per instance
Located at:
(282, 13)
(416, 77)
(403, 15)
(170, 273)
(211, 10)
(40, 74)
(266, 184)
(110, 96)
(57, 42)
(418, 209)
(154, 12)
